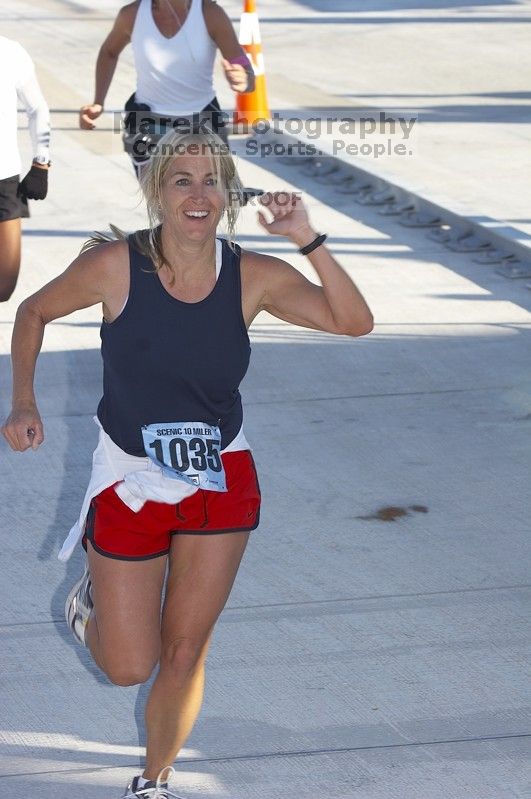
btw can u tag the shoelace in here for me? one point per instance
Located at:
(159, 791)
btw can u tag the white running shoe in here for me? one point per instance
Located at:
(152, 790)
(78, 607)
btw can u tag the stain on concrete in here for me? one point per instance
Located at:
(391, 513)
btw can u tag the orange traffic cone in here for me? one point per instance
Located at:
(253, 106)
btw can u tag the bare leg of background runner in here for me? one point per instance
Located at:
(9, 257)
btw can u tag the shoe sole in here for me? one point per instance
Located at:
(68, 604)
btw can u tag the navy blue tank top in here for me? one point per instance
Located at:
(165, 360)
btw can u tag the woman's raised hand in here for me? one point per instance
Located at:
(23, 428)
(290, 217)
(87, 115)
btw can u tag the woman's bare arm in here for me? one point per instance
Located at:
(336, 306)
(91, 279)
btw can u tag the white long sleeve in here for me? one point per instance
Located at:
(31, 96)
(18, 83)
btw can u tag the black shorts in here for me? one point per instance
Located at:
(12, 206)
(143, 127)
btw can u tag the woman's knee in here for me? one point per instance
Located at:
(127, 674)
(128, 669)
(181, 657)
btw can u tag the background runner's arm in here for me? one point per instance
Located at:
(31, 96)
(337, 306)
(116, 41)
(240, 77)
(34, 185)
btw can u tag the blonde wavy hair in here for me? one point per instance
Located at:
(151, 179)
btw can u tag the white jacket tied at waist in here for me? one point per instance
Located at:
(139, 480)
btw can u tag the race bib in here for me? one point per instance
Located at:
(189, 451)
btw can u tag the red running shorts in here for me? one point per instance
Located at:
(116, 531)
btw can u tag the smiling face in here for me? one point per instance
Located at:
(191, 196)
(190, 172)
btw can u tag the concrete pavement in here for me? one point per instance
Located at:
(358, 658)
(460, 68)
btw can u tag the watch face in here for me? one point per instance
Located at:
(41, 160)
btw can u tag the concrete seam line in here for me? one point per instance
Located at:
(267, 755)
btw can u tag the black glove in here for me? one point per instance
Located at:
(35, 184)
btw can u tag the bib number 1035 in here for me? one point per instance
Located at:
(199, 453)
(189, 451)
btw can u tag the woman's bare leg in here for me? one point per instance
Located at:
(123, 632)
(201, 575)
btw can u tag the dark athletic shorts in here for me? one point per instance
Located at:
(11, 205)
(118, 532)
(143, 127)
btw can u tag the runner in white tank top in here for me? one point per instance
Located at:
(174, 75)
(174, 45)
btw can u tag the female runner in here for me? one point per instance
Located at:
(174, 491)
